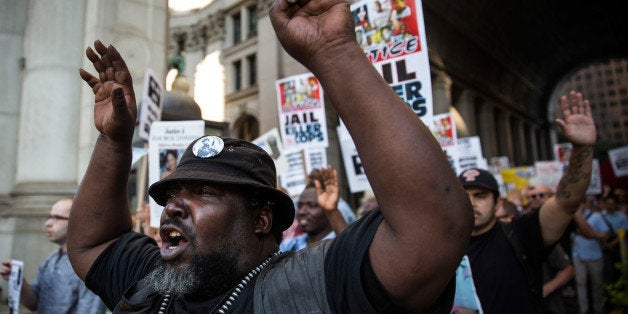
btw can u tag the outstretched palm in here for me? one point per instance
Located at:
(577, 122)
(328, 198)
(114, 99)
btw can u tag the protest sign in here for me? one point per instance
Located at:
(356, 177)
(469, 153)
(301, 112)
(167, 144)
(444, 129)
(15, 285)
(392, 35)
(271, 143)
(619, 161)
(595, 187)
(315, 158)
(548, 172)
(150, 105)
(293, 179)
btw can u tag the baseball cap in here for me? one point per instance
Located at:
(233, 161)
(475, 177)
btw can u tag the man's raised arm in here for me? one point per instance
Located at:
(577, 125)
(100, 212)
(427, 215)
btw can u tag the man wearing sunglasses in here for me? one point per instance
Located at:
(57, 288)
(537, 195)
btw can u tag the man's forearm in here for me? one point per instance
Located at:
(574, 183)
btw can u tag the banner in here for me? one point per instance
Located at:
(392, 35)
(150, 106)
(301, 112)
(168, 141)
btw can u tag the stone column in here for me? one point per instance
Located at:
(48, 130)
(505, 135)
(12, 25)
(466, 109)
(521, 150)
(441, 92)
(533, 144)
(487, 129)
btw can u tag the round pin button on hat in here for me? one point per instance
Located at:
(208, 146)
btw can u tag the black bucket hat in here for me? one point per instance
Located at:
(229, 161)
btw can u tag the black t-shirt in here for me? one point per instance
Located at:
(349, 283)
(499, 278)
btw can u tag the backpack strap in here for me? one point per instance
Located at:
(528, 269)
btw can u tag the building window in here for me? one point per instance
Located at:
(252, 10)
(252, 67)
(237, 27)
(237, 75)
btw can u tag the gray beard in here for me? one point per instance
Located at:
(207, 276)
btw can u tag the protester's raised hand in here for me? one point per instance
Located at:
(114, 104)
(577, 122)
(312, 30)
(5, 270)
(328, 198)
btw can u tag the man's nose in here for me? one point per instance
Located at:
(176, 207)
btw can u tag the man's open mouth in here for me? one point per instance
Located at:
(173, 244)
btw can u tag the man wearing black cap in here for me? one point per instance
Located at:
(506, 259)
(223, 215)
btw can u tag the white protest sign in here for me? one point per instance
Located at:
(168, 141)
(271, 143)
(595, 187)
(356, 177)
(395, 42)
(548, 172)
(301, 112)
(15, 285)
(150, 107)
(469, 154)
(619, 161)
(293, 179)
(315, 158)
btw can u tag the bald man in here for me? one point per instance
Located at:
(57, 288)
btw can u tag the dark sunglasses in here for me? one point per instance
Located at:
(57, 217)
(540, 195)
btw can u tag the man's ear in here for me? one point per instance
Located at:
(264, 221)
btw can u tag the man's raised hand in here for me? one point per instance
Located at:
(114, 102)
(577, 122)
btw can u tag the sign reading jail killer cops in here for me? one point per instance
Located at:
(392, 35)
(150, 106)
(301, 112)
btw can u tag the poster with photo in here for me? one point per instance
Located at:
(167, 143)
(392, 35)
(301, 110)
(444, 129)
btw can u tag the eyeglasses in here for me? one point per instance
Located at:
(57, 217)
(540, 195)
